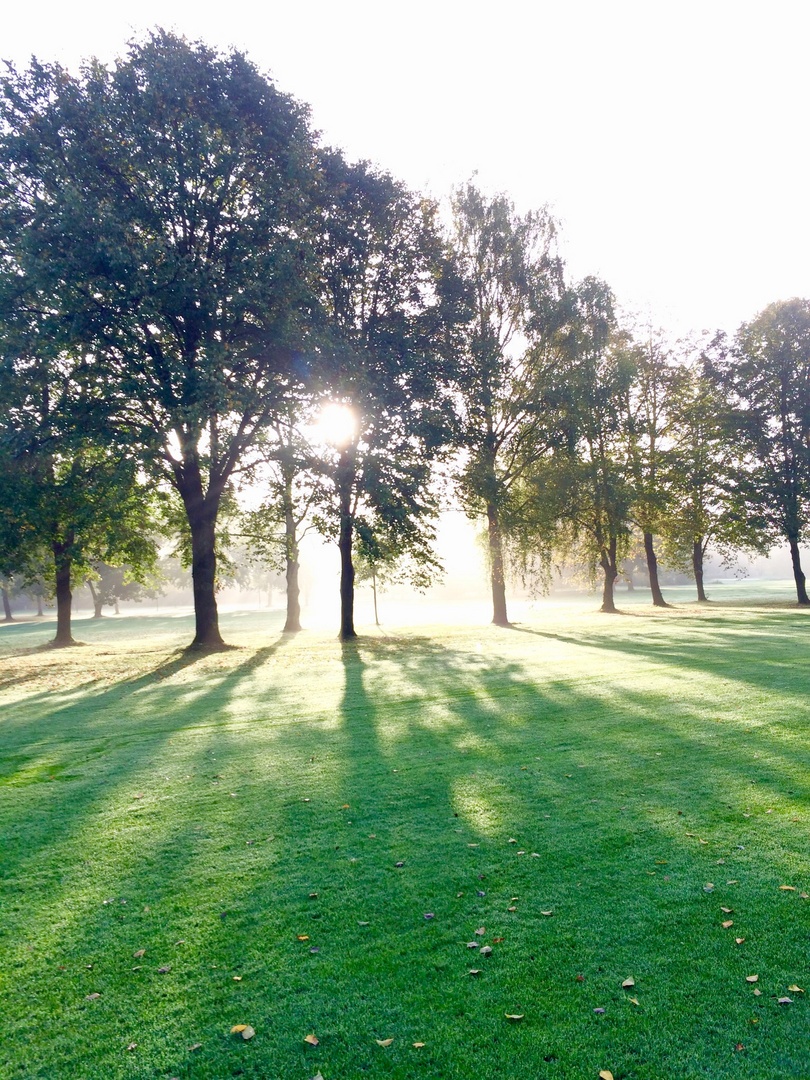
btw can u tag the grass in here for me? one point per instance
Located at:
(190, 805)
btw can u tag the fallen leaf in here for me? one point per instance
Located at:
(794, 989)
(237, 978)
(628, 983)
(182, 941)
(429, 915)
(511, 840)
(91, 997)
(598, 1010)
(804, 895)
(739, 1046)
(605, 1074)
(739, 940)
(580, 978)
(398, 864)
(546, 912)
(785, 1001)
(472, 944)
(473, 845)
(514, 1017)
(513, 908)
(345, 806)
(417, 1046)
(486, 951)
(317, 1076)
(165, 969)
(634, 1000)
(313, 896)
(788, 888)
(237, 1029)
(363, 923)
(708, 886)
(196, 1046)
(139, 953)
(727, 924)
(733, 882)
(513, 899)
(757, 992)
(474, 971)
(384, 1042)
(132, 1046)
(314, 948)
(728, 910)
(752, 978)
(481, 931)
(497, 940)
(302, 937)
(313, 1040)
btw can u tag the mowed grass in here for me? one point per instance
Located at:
(241, 816)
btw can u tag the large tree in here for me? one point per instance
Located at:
(389, 293)
(766, 375)
(159, 212)
(514, 282)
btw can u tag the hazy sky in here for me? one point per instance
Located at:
(671, 139)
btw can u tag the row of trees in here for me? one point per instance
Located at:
(189, 281)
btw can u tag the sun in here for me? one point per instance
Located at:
(337, 425)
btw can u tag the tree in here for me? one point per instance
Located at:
(514, 282)
(767, 377)
(584, 491)
(648, 421)
(109, 585)
(389, 294)
(705, 479)
(160, 211)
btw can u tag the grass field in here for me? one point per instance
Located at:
(307, 838)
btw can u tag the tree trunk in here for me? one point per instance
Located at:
(499, 615)
(631, 585)
(374, 594)
(116, 608)
(697, 564)
(202, 523)
(97, 604)
(40, 612)
(652, 567)
(64, 596)
(345, 483)
(611, 571)
(7, 616)
(798, 573)
(293, 623)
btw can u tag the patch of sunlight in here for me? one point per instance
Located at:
(475, 799)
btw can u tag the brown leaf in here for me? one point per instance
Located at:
(417, 1046)
(739, 940)
(384, 1042)
(237, 978)
(739, 1046)
(497, 940)
(514, 1017)
(345, 806)
(512, 908)
(139, 954)
(237, 1029)
(752, 978)
(313, 1040)
(788, 888)
(91, 997)
(628, 983)
(634, 1000)
(605, 1074)
(302, 937)
(727, 924)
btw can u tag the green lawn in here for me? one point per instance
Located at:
(241, 816)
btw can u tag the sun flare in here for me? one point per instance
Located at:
(337, 424)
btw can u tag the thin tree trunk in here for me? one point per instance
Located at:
(697, 564)
(293, 622)
(97, 604)
(8, 617)
(374, 594)
(499, 615)
(40, 612)
(611, 571)
(798, 573)
(631, 585)
(64, 596)
(652, 568)
(116, 608)
(345, 478)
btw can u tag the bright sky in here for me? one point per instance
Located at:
(669, 137)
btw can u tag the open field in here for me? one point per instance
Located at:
(240, 816)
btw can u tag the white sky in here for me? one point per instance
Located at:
(671, 139)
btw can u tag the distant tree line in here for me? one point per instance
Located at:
(190, 283)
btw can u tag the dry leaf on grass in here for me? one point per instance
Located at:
(481, 931)
(605, 1074)
(486, 951)
(788, 888)
(384, 1042)
(739, 940)
(472, 944)
(165, 969)
(757, 992)
(514, 1017)
(311, 1039)
(302, 937)
(196, 1046)
(785, 1001)
(727, 910)
(139, 954)
(237, 978)
(752, 978)
(91, 997)
(727, 924)
(635, 1001)
(417, 1046)
(497, 940)
(794, 989)
(628, 983)
(474, 971)
(546, 912)
(132, 1046)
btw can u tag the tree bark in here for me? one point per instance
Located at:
(97, 604)
(374, 594)
(201, 511)
(345, 483)
(611, 571)
(293, 621)
(7, 616)
(496, 562)
(652, 568)
(64, 596)
(697, 565)
(798, 573)
(40, 612)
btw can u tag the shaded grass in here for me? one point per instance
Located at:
(214, 793)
